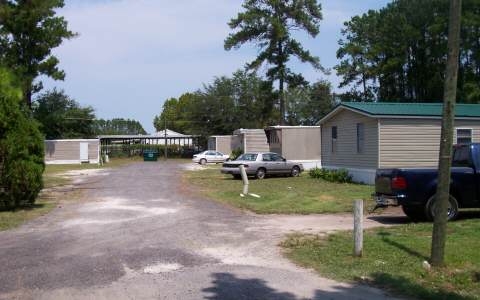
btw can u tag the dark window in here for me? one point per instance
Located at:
(360, 137)
(461, 157)
(334, 139)
(248, 156)
(274, 137)
(267, 157)
(276, 157)
(464, 136)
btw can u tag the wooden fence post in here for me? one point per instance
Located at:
(245, 179)
(358, 228)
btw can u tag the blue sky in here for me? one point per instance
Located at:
(132, 55)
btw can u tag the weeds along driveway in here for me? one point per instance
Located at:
(140, 233)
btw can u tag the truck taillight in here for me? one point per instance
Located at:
(399, 183)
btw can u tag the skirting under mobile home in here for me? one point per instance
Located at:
(362, 137)
(74, 151)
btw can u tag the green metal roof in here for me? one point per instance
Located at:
(412, 109)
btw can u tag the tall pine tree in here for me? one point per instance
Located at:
(29, 30)
(269, 25)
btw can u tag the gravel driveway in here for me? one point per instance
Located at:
(138, 233)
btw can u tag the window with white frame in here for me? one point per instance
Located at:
(334, 139)
(464, 135)
(360, 137)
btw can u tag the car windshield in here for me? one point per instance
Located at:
(248, 156)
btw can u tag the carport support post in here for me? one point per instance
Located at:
(244, 178)
(358, 228)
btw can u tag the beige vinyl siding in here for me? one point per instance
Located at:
(414, 143)
(58, 150)
(301, 143)
(224, 144)
(346, 154)
(256, 141)
(92, 150)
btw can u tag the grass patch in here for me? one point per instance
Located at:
(287, 195)
(393, 259)
(13, 218)
(46, 201)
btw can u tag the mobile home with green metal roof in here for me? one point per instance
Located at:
(364, 136)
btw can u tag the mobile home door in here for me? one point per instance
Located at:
(84, 152)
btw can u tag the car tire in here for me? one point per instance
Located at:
(452, 208)
(236, 176)
(260, 174)
(203, 161)
(415, 213)
(295, 171)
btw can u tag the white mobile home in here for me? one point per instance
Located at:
(73, 151)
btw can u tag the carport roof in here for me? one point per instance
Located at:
(405, 110)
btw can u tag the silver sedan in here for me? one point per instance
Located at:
(261, 164)
(209, 156)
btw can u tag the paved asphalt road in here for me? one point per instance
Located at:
(139, 233)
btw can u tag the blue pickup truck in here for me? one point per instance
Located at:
(414, 189)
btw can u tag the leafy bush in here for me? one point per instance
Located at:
(21, 149)
(340, 175)
(236, 153)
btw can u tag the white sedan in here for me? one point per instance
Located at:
(210, 156)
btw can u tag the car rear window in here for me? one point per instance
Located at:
(248, 156)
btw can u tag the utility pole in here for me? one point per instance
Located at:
(165, 138)
(439, 234)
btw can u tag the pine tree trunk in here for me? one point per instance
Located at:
(439, 234)
(282, 101)
(281, 84)
(27, 95)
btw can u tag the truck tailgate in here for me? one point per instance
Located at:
(383, 180)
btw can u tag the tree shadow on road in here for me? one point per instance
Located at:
(227, 286)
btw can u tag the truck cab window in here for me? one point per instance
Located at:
(461, 157)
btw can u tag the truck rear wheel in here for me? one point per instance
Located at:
(452, 211)
(415, 213)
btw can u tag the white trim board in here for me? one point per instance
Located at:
(70, 162)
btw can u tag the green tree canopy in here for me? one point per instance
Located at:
(242, 100)
(62, 117)
(306, 105)
(29, 30)
(398, 53)
(269, 25)
(118, 126)
(21, 148)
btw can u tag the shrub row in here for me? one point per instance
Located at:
(340, 175)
